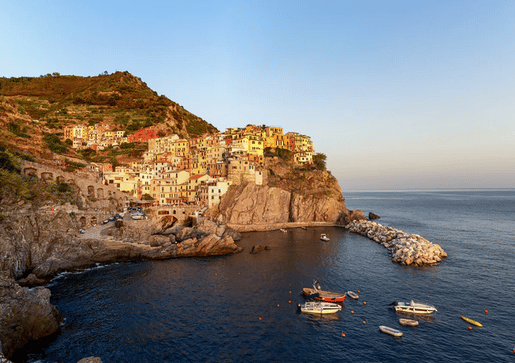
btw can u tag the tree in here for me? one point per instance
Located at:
(319, 160)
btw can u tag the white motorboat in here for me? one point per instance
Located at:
(283, 230)
(391, 331)
(353, 295)
(324, 237)
(413, 307)
(318, 307)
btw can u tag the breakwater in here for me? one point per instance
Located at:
(404, 248)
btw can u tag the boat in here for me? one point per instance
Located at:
(283, 230)
(408, 322)
(391, 331)
(473, 322)
(353, 295)
(304, 228)
(318, 294)
(317, 307)
(324, 237)
(413, 307)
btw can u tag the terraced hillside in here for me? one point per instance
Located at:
(31, 107)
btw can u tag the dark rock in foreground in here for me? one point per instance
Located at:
(25, 315)
(372, 216)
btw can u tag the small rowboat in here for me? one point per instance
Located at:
(408, 322)
(324, 237)
(318, 294)
(391, 331)
(317, 307)
(473, 322)
(353, 295)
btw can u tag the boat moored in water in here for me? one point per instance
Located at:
(473, 322)
(391, 331)
(324, 237)
(318, 307)
(318, 294)
(408, 322)
(413, 307)
(353, 295)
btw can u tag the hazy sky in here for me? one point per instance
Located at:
(397, 94)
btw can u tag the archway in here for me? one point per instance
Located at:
(100, 193)
(30, 171)
(47, 176)
(82, 222)
(91, 191)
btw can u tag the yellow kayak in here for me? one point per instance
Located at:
(473, 322)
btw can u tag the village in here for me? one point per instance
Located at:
(198, 171)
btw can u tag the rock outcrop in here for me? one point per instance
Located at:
(256, 204)
(404, 248)
(25, 315)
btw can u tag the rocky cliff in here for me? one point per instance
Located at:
(291, 196)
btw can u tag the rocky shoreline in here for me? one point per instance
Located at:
(36, 247)
(404, 248)
(46, 244)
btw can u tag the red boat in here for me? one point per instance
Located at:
(321, 295)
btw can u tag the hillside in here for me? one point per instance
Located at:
(31, 107)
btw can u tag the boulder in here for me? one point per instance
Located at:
(372, 216)
(25, 315)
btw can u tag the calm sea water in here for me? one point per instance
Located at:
(242, 308)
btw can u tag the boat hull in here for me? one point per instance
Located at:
(470, 321)
(313, 307)
(353, 295)
(323, 295)
(408, 322)
(414, 308)
(390, 331)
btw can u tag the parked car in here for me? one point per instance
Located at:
(105, 221)
(111, 219)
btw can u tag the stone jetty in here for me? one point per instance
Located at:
(404, 248)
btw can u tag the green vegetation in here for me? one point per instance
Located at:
(55, 144)
(319, 161)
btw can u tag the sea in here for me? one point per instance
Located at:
(244, 307)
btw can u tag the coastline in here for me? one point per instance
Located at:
(260, 227)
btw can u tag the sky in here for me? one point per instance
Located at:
(396, 94)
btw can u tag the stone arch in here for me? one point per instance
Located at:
(93, 220)
(82, 222)
(60, 179)
(46, 175)
(30, 171)
(100, 193)
(91, 191)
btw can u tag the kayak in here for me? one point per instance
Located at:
(473, 322)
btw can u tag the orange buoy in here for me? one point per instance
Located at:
(486, 311)
(352, 311)
(364, 322)
(277, 305)
(470, 328)
(289, 292)
(364, 302)
(343, 334)
(259, 318)
(289, 301)
(359, 291)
